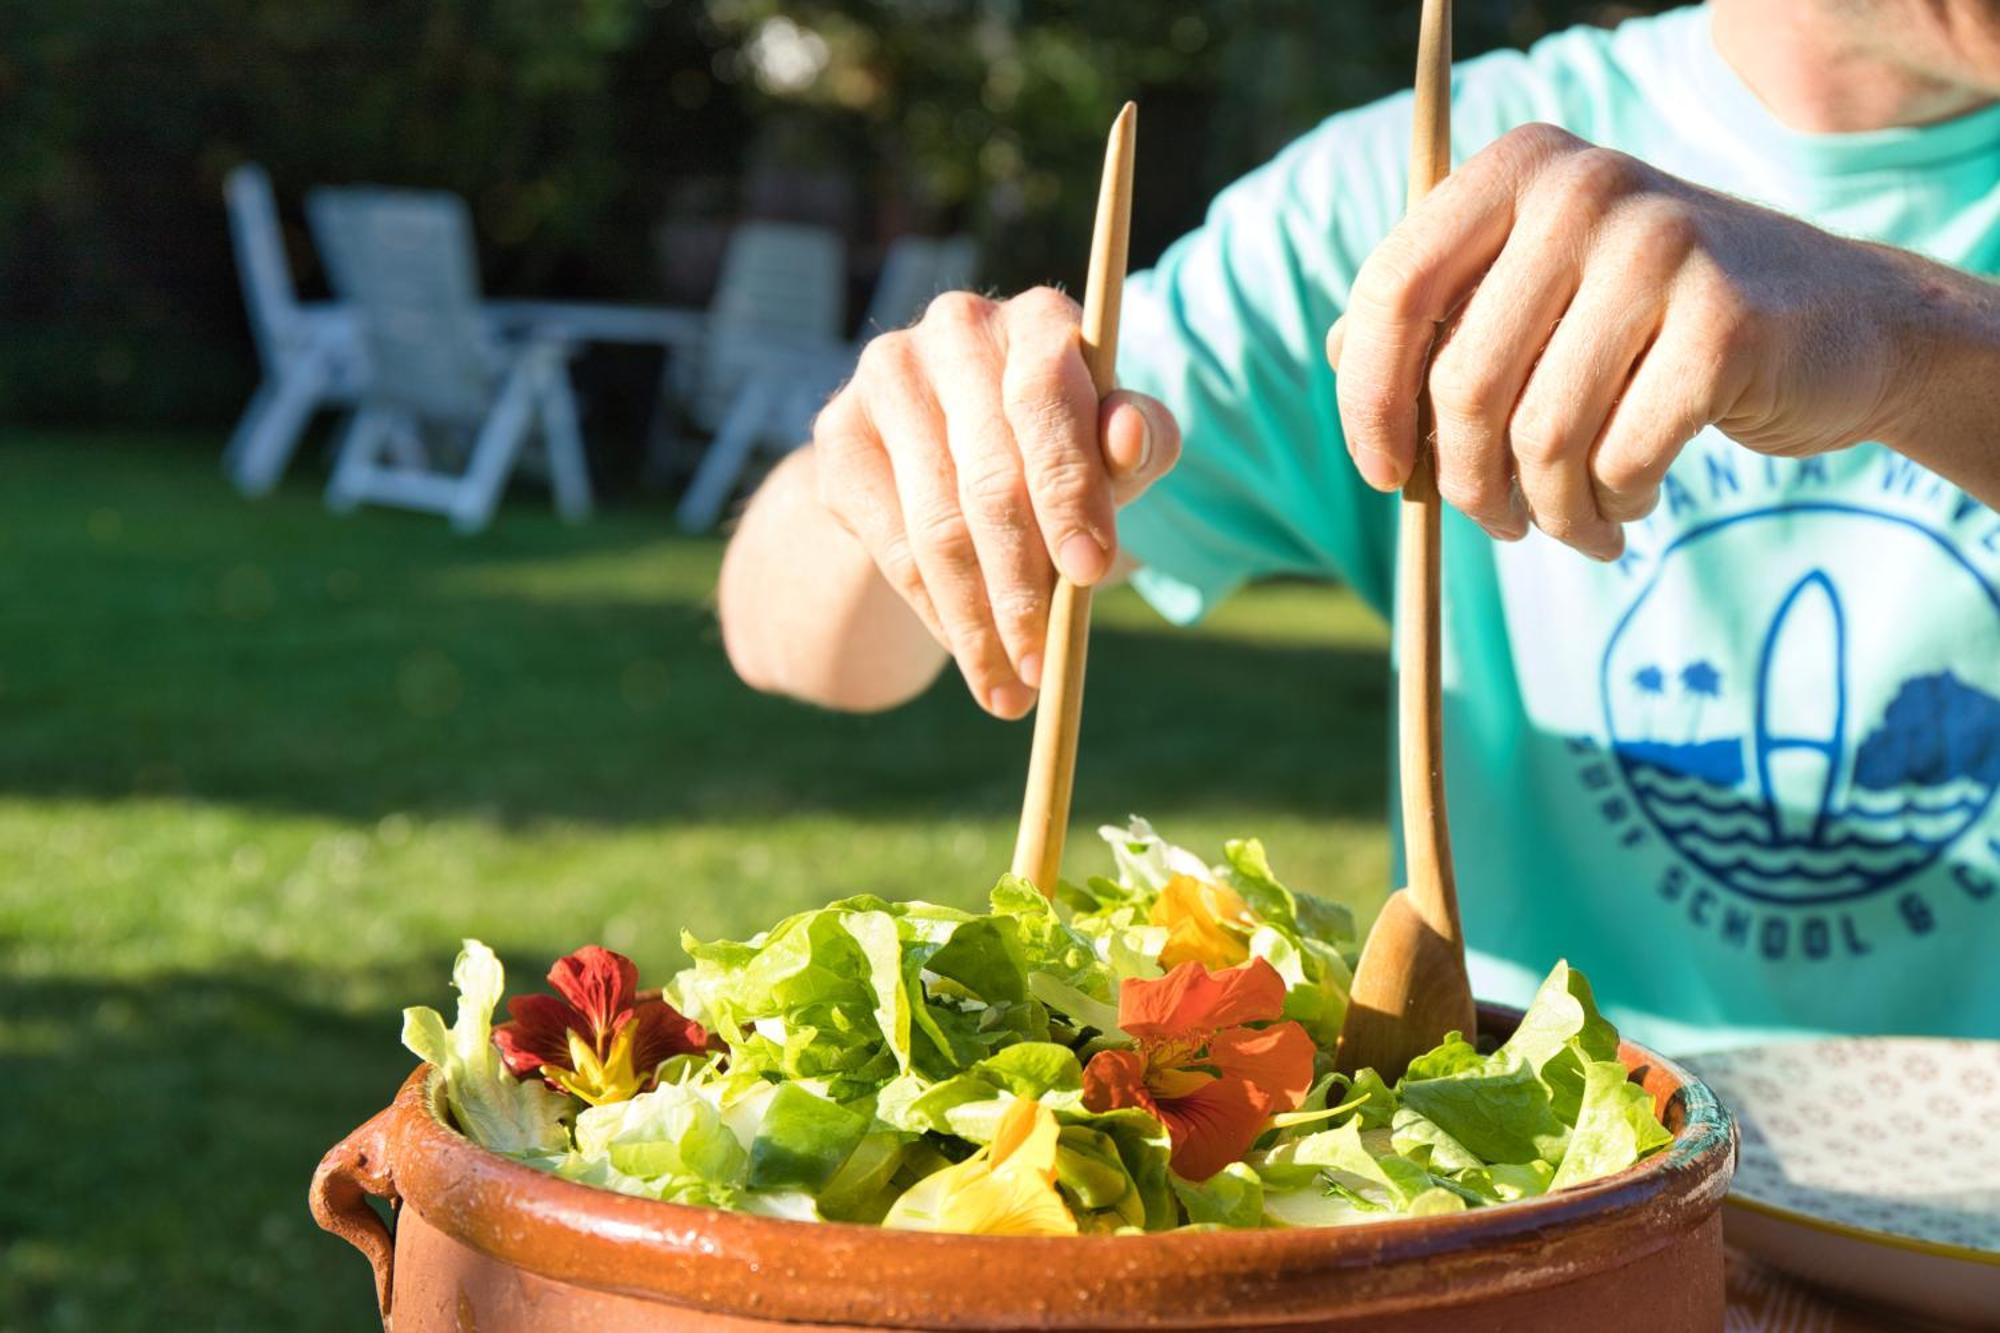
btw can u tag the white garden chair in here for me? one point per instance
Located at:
(310, 354)
(774, 402)
(405, 261)
(783, 287)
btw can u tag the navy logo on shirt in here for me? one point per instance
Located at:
(1826, 737)
(1775, 759)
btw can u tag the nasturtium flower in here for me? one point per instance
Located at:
(1199, 1067)
(1007, 1188)
(1206, 923)
(595, 1038)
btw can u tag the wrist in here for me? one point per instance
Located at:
(1943, 345)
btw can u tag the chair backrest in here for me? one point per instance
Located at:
(405, 260)
(915, 269)
(782, 277)
(269, 298)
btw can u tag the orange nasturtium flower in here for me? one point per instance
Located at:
(1198, 1068)
(599, 1041)
(1198, 916)
(1005, 1189)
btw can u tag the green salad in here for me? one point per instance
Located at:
(1148, 1051)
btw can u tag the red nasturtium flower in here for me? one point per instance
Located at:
(599, 1041)
(1209, 1078)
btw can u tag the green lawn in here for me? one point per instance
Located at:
(260, 768)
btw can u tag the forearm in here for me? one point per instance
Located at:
(1948, 415)
(804, 611)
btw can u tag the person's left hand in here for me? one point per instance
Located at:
(1580, 316)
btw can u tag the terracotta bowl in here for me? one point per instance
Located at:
(480, 1242)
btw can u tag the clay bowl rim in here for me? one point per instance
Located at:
(707, 1257)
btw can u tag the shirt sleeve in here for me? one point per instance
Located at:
(1228, 331)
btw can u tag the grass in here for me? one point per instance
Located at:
(260, 768)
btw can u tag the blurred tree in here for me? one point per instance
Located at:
(575, 126)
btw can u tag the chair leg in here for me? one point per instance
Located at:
(569, 470)
(354, 459)
(728, 455)
(262, 444)
(495, 451)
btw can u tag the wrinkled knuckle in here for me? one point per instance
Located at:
(897, 560)
(1464, 389)
(887, 361)
(997, 493)
(1393, 282)
(1064, 482)
(1622, 505)
(1537, 141)
(1048, 303)
(942, 533)
(958, 313)
(1671, 227)
(1592, 180)
(1538, 443)
(1017, 607)
(1034, 396)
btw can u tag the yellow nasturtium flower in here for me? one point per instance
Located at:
(1199, 917)
(1005, 1189)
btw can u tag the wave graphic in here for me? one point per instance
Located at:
(1869, 839)
(1733, 819)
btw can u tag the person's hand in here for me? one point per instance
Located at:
(1580, 316)
(971, 457)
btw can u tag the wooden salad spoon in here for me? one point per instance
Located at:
(1038, 847)
(1411, 987)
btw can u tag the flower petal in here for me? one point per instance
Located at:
(1277, 1061)
(1026, 1140)
(600, 984)
(537, 1035)
(1214, 1126)
(1006, 1203)
(1115, 1079)
(1197, 915)
(662, 1032)
(1193, 999)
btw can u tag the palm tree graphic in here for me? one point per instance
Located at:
(1650, 681)
(1701, 680)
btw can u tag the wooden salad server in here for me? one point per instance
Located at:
(1038, 847)
(1411, 987)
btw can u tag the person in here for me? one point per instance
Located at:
(1716, 373)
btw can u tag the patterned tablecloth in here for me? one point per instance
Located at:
(1763, 1300)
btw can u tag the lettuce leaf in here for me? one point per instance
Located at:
(494, 1108)
(1615, 1127)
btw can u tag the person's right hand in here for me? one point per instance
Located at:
(965, 455)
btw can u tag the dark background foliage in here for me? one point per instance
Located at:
(577, 127)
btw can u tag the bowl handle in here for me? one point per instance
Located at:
(353, 1169)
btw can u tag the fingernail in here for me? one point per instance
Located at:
(1030, 670)
(1145, 440)
(1081, 559)
(1010, 701)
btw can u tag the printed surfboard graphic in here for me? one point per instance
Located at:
(1801, 728)
(1760, 768)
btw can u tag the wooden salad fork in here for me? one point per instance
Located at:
(1411, 987)
(1038, 847)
